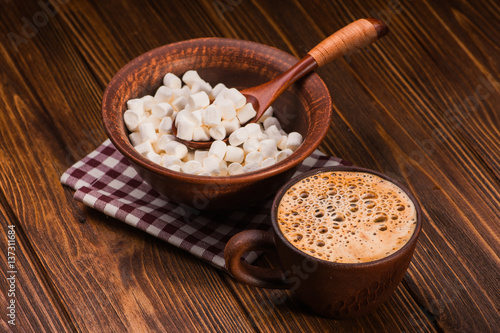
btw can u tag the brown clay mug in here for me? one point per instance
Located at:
(332, 289)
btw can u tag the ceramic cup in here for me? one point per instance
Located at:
(331, 289)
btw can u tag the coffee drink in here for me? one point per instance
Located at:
(346, 216)
(344, 237)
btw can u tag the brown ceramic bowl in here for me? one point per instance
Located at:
(331, 289)
(305, 107)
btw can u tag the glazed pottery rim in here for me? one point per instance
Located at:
(342, 265)
(125, 147)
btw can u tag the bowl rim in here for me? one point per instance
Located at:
(126, 148)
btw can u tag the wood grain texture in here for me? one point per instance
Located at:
(36, 306)
(280, 311)
(114, 282)
(420, 105)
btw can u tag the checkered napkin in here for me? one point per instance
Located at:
(104, 180)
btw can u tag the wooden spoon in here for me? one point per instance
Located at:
(352, 37)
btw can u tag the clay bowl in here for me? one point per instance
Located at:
(305, 107)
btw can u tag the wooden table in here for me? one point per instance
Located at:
(421, 105)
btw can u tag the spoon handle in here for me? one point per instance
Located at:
(352, 37)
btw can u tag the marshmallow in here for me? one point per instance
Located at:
(136, 104)
(234, 168)
(218, 89)
(168, 160)
(199, 100)
(251, 167)
(250, 145)
(283, 154)
(223, 168)
(188, 107)
(148, 101)
(262, 136)
(174, 167)
(164, 139)
(253, 130)
(171, 80)
(198, 116)
(147, 132)
(230, 125)
(154, 157)
(185, 91)
(165, 126)
(294, 141)
(192, 167)
(179, 103)
(132, 119)
(153, 120)
(268, 113)
(268, 148)
(238, 136)
(144, 148)
(199, 155)
(211, 164)
(175, 148)
(164, 95)
(161, 110)
(217, 132)
(191, 77)
(218, 149)
(192, 116)
(189, 156)
(227, 108)
(135, 138)
(234, 154)
(268, 122)
(268, 162)
(176, 93)
(201, 86)
(246, 113)
(273, 133)
(254, 157)
(212, 116)
(201, 134)
(156, 149)
(236, 97)
(219, 98)
(185, 129)
(282, 142)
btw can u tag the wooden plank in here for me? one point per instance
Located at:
(29, 302)
(280, 311)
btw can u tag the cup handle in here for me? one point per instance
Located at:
(253, 240)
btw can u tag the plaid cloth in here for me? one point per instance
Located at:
(104, 180)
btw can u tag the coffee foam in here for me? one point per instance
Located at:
(346, 216)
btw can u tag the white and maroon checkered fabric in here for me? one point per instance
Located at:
(104, 180)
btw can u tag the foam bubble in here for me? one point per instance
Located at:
(346, 216)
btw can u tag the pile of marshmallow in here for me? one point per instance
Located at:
(203, 113)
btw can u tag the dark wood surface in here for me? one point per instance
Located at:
(421, 105)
